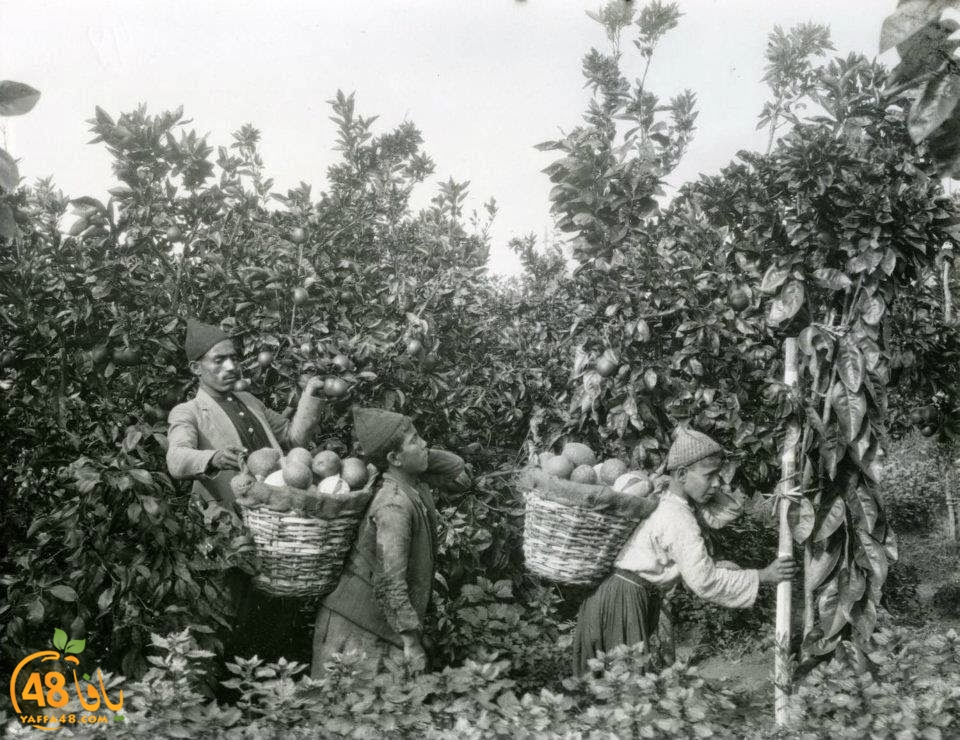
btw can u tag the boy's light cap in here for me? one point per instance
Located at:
(691, 446)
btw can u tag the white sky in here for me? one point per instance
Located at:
(484, 80)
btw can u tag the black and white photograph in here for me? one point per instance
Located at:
(466, 370)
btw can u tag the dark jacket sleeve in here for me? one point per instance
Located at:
(393, 522)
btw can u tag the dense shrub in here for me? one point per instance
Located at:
(946, 600)
(907, 686)
(911, 481)
(900, 595)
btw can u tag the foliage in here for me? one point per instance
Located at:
(95, 297)
(912, 480)
(789, 72)
(946, 600)
(922, 33)
(840, 219)
(900, 594)
(487, 622)
(16, 99)
(907, 685)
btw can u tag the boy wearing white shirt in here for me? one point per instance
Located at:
(666, 547)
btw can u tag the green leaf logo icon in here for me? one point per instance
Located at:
(59, 639)
(76, 646)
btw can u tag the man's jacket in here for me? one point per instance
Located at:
(199, 427)
(388, 578)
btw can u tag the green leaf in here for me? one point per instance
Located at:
(773, 278)
(9, 173)
(787, 304)
(822, 563)
(907, 19)
(851, 366)
(35, 611)
(871, 555)
(851, 407)
(832, 619)
(105, 600)
(871, 353)
(150, 505)
(832, 520)
(832, 279)
(853, 585)
(863, 617)
(76, 646)
(872, 309)
(63, 592)
(59, 638)
(801, 517)
(937, 101)
(17, 98)
(864, 501)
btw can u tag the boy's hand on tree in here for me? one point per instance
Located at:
(781, 569)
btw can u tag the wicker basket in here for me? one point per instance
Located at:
(304, 555)
(575, 545)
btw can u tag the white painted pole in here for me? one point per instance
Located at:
(788, 470)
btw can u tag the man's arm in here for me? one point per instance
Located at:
(298, 431)
(393, 522)
(184, 460)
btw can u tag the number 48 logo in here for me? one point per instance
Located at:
(49, 690)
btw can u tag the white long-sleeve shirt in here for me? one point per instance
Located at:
(668, 546)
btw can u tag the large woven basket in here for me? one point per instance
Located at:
(575, 545)
(302, 556)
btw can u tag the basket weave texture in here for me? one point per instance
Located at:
(303, 556)
(575, 545)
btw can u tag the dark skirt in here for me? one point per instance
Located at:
(624, 610)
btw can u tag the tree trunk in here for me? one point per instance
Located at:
(947, 296)
(782, 673)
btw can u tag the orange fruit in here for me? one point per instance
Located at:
(579, 454)
(335, 387)
(355, 473)
(583, 474)
(325, 463)
(264, 461)
(612, 469)
(300, 455)
(559, 467)
(297, 475)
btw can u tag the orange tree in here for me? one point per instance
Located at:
(681, 318)
(394, 307)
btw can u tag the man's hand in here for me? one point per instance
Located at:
(314, 386)
(228, 459)
(782, 569)
(413, 651)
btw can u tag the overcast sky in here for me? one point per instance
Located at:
(485, 80)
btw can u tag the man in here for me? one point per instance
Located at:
(207, 437)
